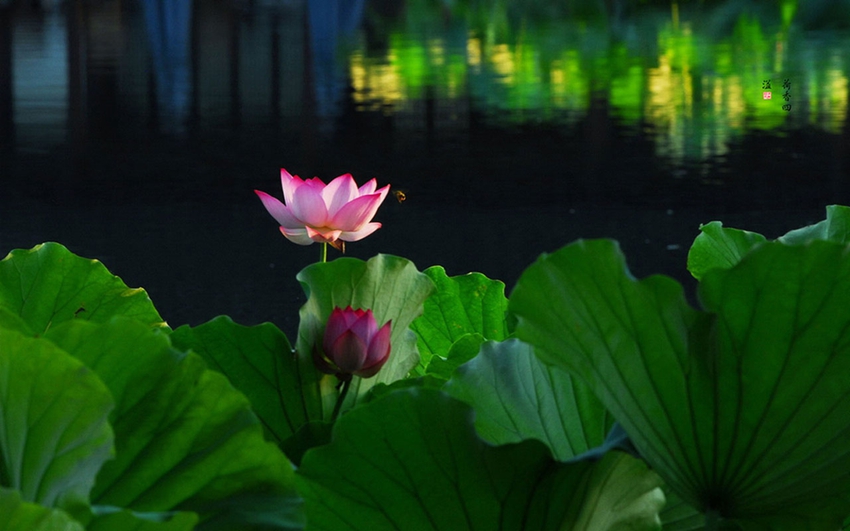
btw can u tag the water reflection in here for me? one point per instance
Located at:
(7, 128)
(38, 59)
(168, 24)
(695, 85)
(332, 22)
(693, 78)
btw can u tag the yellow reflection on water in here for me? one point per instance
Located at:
(376, 85)
(834, 98)
(473, 53)
(663, 105)
(558, 85)
(503, 63)
(731, 102)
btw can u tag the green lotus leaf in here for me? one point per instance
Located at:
(114, 518)
(12, 321)
(742, 409)
(19, 515)
(54, 432)
(426, 381)
(719, 247)
(464, 349)
(516, 397)
(312, 434)
(185, 439)
(439, 369)
(260, 362)
(460, 305)
(680, 516)
(835, 228)
(47, 285)
(390, 286)
(412, 460)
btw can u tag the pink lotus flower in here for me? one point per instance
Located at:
(316, 212)
(353, 344)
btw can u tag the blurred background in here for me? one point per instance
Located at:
(135, 131)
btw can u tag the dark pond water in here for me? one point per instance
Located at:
(136, 131)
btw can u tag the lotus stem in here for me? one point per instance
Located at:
(324, 252)
(341, 398)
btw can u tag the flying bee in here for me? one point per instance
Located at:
(400, 196)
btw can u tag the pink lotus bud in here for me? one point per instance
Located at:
(333, 213)
(353, 344)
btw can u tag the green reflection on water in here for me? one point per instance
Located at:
(694, 76)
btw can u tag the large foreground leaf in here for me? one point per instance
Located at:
(185, 439)
(259, 361)
(743, 410)
(390, 286)
(54, 433)
(721, 247)
(12, 321)
(47, 285)
(835, 228)
(18, 515)
(464, 304)
(113, 519)
(412, 460)
(516, 397)
(678, 515)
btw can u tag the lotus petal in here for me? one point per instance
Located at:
(279, 211)
(353, 236)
